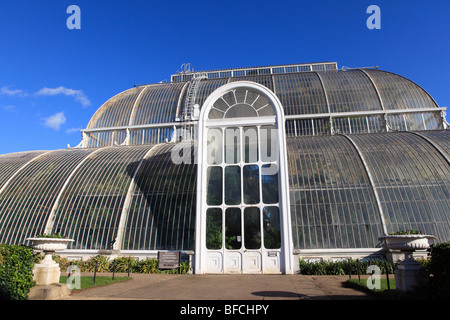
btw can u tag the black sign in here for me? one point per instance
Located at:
(168, 260)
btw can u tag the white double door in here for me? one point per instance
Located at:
(251, 241)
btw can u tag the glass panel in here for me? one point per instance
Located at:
(214, 146)
(300, 93)
(233, 237)
(157, 104)
(272, 233)
(241, 110)
(250, 142)
(252, 228)
(398, 92)
(233, 185)
(214, 182)
(164, 196)
(269, 149)
(232, 145)
(251, 184)
(350, 90)
(214, 228)
(269, 183)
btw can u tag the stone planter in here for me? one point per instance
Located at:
(409, 272)
(407, 242)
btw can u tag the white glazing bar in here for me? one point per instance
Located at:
(433, 144)
(372, 183)
(20, 170)
(85, 195)
(126, 206)
(133, 110)
(18, 205)
(50, 221)
(362, 113)
(327, 101)
(45, 188)
(375, 86)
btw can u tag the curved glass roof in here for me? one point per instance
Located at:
(343, 190)
(332, 91)
(333, 201)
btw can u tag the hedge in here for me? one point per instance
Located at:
(343, 267)
(16, 271)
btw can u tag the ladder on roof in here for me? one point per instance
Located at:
(191, 110)
(188, 112)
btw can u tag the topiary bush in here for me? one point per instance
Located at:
(16, 271)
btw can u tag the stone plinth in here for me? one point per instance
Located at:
(49, 292)
(409, 274)
(46, 273)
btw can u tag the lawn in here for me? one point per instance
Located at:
(383, 284)
(87, 282)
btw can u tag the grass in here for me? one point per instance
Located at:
(87, 282)
(363, 284)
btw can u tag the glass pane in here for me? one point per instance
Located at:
(214, 146)
(233, 185)
(269, 149)
(272, 234)
(232, 145)
(269, 183)
(252, 228)
(233, 237)
(241, 111)
(214, 182)
(214, 228)
(251, 184)
(250, 142)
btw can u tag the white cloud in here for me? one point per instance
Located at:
(13, 92)
(78, 95)
(55, 121)
(10, 108)
(72, 130)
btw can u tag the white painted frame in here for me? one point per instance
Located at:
(287, 258)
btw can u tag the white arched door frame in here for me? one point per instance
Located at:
(287, 259)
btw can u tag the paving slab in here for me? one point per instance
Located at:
(224, 287)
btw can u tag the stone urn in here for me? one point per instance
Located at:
(409, 272)
(407, 243)
(47, 271)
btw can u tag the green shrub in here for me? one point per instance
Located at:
(343, 267)
(148, 265)
(121, 264)
(100, 262)
(62, 261)
(185, 267)
(16, 271)
(438, 267)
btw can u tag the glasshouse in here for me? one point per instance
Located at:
(243, 170)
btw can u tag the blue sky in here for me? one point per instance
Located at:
(53, 79)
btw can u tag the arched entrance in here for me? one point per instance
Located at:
(243, 220)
